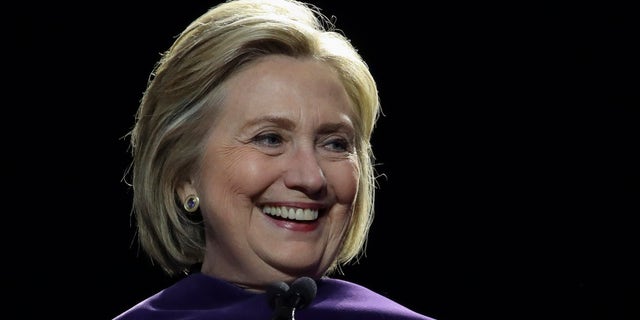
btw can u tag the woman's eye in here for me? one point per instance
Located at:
(338, 145)
(268, 139)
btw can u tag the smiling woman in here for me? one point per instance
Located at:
(253, 166)
(282, 140)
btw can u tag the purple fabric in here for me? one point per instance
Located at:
(199, 296)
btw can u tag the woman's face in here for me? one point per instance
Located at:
(280, 173)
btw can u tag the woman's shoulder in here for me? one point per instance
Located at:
(342, 296)
(197, 296)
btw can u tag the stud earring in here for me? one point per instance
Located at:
(192, 203)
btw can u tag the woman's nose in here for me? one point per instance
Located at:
(304, 172)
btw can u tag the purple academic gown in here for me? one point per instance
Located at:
(199, 296)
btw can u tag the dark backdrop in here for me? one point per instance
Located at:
(508, 143)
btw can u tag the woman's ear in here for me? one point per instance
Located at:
(185, 190)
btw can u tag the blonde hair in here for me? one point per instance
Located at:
(176, 108)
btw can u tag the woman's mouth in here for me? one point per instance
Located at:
(291, 213)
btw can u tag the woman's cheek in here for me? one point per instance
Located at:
(344, 179)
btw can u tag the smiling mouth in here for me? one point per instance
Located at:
(290, 213)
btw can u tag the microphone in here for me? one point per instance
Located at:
(285, 299)
(275, 294)
(301, 292)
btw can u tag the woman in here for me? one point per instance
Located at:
(253, 169)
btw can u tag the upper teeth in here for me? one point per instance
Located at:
(291, 213)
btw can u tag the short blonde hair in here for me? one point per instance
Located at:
(182, 95)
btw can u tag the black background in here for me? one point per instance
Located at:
(509, 146)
